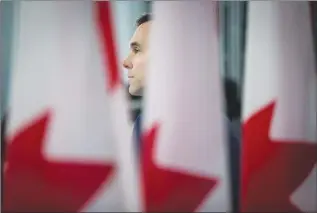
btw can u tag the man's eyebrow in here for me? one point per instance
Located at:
(134, 44)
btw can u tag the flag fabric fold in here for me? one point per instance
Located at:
(184, 153)
(63, 139)
(279, 110)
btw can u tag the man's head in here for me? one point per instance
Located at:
(137, 60)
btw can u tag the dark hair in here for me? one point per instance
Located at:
(143, 19)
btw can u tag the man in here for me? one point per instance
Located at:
(136, 64)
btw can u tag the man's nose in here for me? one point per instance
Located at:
(127, 64)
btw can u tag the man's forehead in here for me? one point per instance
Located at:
(140, 35)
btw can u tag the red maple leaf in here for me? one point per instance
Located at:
(272, 169)
(34, 184)
(166, 190)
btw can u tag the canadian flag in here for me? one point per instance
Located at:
(279, 110)
(68, 132)
(184, 154)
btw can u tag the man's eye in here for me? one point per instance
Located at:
(136, 50)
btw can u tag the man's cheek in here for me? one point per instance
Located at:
(138, 72)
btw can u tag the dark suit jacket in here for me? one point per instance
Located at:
(3, 145)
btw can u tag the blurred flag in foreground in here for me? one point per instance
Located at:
(67, 112)
(184, 150)
(279, 111)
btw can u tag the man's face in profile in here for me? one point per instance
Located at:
(136, 61)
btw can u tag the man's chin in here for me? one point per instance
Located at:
(135, 91)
